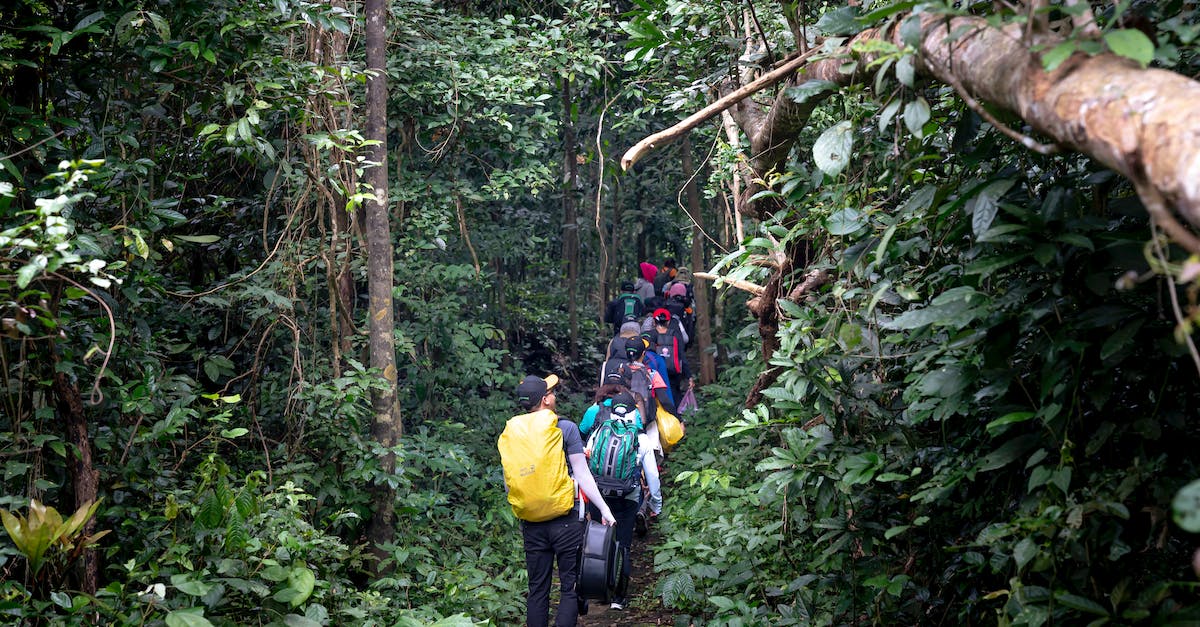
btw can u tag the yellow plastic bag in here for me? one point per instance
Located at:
(670, 429)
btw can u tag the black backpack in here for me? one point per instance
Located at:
(667, 345)
(613, 371)
(631, 307)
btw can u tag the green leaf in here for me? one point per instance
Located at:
(1018, 416)
(833, 148)
(1120, 339)
(1024, 552)
(889, 112)
(1009, 452)
(916, 114)
(191, 617)
(1055, 56)
(1082, 604)
(302, 580)
(1186, 507)
(905, 71)
(234, 433)
(199, 239)
(894, 531)
(189, 586)
(841, 21)
(1131, 44)
(160, 25)
(861, 468)
(888, 11)
(984, 205)
(29, 272)
(845, 221)
(808, 89)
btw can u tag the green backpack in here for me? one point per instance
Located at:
(613, 462)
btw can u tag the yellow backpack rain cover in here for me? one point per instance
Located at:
(535, 467)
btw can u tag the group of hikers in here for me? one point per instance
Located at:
(607, 465)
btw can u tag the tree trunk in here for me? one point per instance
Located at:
(84, 477)
(708, 368)
(327, 48)
(570, 233)
(386, 427)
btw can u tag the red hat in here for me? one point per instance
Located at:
(662, 315)
(648, 270)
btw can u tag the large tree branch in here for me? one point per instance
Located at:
(1142, 123)
(663, 138)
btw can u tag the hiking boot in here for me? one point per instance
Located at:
(616, 605)
(583, 607)
(641, 525)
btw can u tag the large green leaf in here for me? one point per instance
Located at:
(1186, 507)
(916, 114)
(832, 149)
(191, 617)
(840, 21)
(1131, 44)
(1008, 453)
(808, 89)
(845, 221)
(985, 204)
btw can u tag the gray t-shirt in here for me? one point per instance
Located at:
(572, 441)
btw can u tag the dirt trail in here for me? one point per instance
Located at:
(644, 607)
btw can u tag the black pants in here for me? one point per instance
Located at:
(625, 511)
(558, 539)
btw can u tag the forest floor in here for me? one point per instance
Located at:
(644, 606)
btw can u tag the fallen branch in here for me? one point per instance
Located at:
(741, 284)
(725, 102)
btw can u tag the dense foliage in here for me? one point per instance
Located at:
(983, 416)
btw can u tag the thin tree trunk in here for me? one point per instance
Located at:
(84, 477)
(386, 428)
(570, 204)
(708, 369)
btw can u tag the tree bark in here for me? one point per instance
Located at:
(386, 427)
(570, 232)
(84, 476)
(708, 368)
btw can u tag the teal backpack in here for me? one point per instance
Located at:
(614, 446)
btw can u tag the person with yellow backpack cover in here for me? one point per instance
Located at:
(540, 454)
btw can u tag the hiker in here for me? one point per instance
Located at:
(673, 323)
(616, 352)
(616, 346)
(682, 276)
(669, 341)
(681, 309)
(626, 307)
(650, 388)
(644, 285)
(665, 274)
(603, 397)
(619, 455)
(655, 362)
(536, 450)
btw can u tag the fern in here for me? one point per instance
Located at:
(677, 587)
(211, 513)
